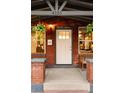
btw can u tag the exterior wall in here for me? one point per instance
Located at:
(51, 50)
(75, 45)
(51, 34)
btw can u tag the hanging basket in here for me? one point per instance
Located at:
(38, 27)
(41, 27)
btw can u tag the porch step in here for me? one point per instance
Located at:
(66, 86)
(62, 66)
(65, 91)
(65, 79)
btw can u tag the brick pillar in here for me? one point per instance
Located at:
(90, 72)
(37, 72)
(37, 76)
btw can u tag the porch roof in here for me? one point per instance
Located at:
(82, 9)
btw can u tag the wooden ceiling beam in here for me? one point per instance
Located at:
(63, 13)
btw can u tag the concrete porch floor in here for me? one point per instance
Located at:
(66, 79)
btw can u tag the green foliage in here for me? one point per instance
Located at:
(39, 27)
(89, 28)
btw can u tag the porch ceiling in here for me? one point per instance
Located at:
(76, 4)
(71, 5)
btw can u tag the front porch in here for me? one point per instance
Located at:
(62, 46)
(58, 64)
(64, 80)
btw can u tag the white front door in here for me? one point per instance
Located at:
(64, 46)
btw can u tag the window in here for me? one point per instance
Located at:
(85, 41)
(38, 42)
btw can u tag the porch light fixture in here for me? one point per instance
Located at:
(51, 26)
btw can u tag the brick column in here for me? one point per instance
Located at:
(37, 76)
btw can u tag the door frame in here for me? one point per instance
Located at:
(64, 28)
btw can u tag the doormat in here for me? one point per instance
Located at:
(65, 91)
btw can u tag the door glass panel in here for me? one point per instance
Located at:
(67, 34)
(62, 35)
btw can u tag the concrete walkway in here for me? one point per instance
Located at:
(65, 79)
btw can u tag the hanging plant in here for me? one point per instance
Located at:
(41, 27)
(89, 28)
(33, 30)
(38, 27)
